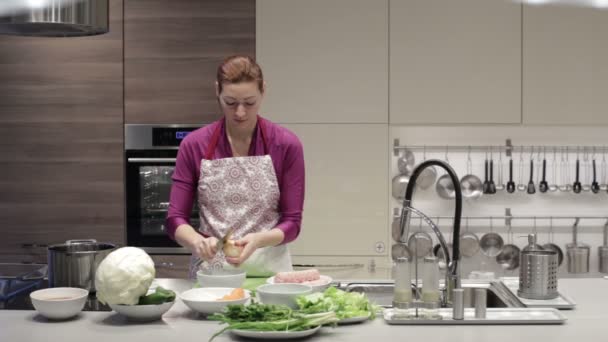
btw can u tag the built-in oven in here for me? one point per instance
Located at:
(150, 153)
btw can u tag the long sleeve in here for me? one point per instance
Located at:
(183, 190)
(292, 190)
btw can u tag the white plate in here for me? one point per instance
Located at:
(317, 286)
(352, 320)
(275, 335)
(205, 299)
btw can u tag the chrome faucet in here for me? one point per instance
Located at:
(452, 272)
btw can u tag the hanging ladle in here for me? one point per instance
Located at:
(501, 184)
(531, 188)
(603, 166)
(511, 183)
(564, 166)
(553, 186)
(491, 184)
(544, 186)
(577, 186)
(595, 186)
(521, 186)
(586, 179)
(486, 183)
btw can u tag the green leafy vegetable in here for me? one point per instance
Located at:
(315, 309)
(160, 296)
(344, 304)
(261, 317)
(253, 312)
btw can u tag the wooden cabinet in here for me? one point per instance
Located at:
(455, 62)
(324, 61)
(171, 266)
(565, 70)
(172, 50)
(61, 140)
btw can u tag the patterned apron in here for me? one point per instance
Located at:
(240, 192)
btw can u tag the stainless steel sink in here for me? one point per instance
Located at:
(503, 306)
(381, 293)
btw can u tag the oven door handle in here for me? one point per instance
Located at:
(151, 160)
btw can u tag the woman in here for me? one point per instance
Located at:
(247, 174)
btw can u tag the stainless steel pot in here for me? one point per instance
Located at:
(578, 253)
(74, 263)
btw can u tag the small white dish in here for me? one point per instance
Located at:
(275, 335)
(283, 293)
(317, 285)
(204, 300)
(221, 278)
(59, 302)
(142, 312)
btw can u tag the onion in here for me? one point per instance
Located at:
(231, 249)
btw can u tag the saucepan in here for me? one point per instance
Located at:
(551, 246)
(428, 175)
(469, 243)
(444, 186)
(508, 258)
(74, 263)
(491, 243)
(471, 185)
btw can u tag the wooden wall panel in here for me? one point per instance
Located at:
(172, 49)
(62, 112)
(61, 140)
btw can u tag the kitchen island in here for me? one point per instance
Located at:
(588, 322)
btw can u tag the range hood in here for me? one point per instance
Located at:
(54, 18)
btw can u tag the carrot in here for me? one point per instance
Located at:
(237, 293)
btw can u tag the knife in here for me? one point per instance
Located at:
(220, 243)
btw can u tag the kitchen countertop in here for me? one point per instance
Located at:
(589, 322)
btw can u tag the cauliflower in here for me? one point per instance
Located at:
(124, 275)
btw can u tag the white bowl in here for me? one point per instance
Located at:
(282, 294)
(143, 312)
(317, 285)
(221, 278)
(59, 302)
(205, 299)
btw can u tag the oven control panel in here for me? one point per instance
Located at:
(170, 136)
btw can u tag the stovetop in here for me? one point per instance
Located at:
(22, 301)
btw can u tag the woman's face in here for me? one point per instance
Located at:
(240, 103)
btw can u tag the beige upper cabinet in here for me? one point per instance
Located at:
(565, 65)
(346, 191)
(455, 62)
(324, 61)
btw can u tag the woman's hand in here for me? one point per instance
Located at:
(203, 248)
(250, 243)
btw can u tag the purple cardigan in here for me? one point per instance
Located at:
(287, 156)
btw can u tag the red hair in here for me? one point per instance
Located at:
(237, 69)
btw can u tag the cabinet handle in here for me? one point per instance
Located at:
(151, 160)
(34, 245)
(165, 265)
